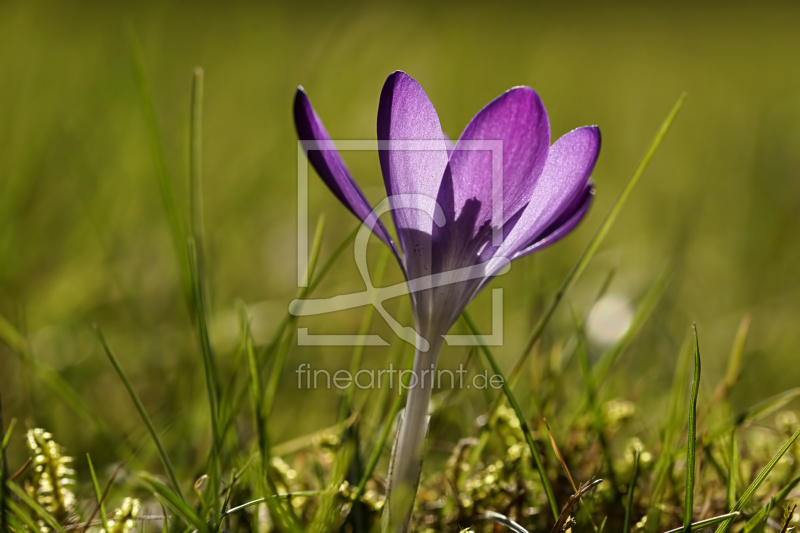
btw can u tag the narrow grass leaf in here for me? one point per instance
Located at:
(565, 468)
(598, 238)
(733, 471)
(288, 319)
(497, 518)
(38, 510)
(15, 524)
(196, 164)
(755, 413)
(385, 431)
(396, 360)
(9, 432)
(597, 421)
(98, 493)
(548, 489)
(22, 516)
(572, 504)
(162, 452)
(749, 491)
(279, 512)
(691, 447)
(560, 457)
(210, 372)
(165, 185)
(779, 498)
(626, 528)
(706, 523)
(174, 502)
(554, 382)
(328, 511)
(735, 359)
(287, 496)
(767, 407)
(787, 519)
(670, 432)
(644, 311)
(287, 334)
(22, 348)
(366, 322)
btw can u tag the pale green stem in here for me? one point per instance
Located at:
(406, 462)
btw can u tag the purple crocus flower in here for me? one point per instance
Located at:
(461, 213)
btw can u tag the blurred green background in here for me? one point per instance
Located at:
(84, 238)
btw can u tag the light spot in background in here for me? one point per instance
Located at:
(609, 319)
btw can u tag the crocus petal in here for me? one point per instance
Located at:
(514, 126)
(568, 220)
(569, 163)
(329, 165)
(413, 162)
(560, 228)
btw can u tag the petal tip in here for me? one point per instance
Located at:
(396, 78)
(300, 96)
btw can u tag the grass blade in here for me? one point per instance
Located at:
(376, 454)
(286, 338)
(385, 431)
(777, 500)
(264, 354)
(705, 523)
(281, 514)
(564, 518)
(40, 511)
(22, 516)
(174, 501)
(565, 468)
(767, 407)
(53, 380)
(196, 164)
(98, 492)
(788, 518)
(523, 424)
(598, 238)
(363, 329)
(597, 422)
(691, 447)
(632, 488)
(210, 372)
(644, 311)
(560, 457)
(671, 431)
(748, 493)
(176, 223)
(497, 518)
(18, 526)
(734, 362)
(733, 471)
(162, 453)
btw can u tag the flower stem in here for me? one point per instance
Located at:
(406, 461)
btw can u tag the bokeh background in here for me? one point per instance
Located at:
(84, 238)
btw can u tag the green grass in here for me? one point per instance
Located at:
(155, 198)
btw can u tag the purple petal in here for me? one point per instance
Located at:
(329, 165)
(568, 220)
(506, 142)
(413, 162)
(569, 163)
(559, 229)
